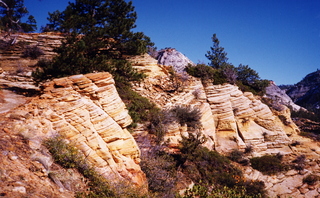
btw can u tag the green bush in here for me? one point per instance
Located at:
(33, 52)
(187, 115)
(202, 191)
(268, 164)
(68, 156)
(305, 114)
(311, 179)
(206, 73)
(139, 107)
(238, 156)
(184, 115)
(158, 122)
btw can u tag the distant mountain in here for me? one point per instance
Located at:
(279, 96)
(306, 93)
(174, 58)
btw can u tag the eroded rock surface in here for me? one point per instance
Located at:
(174, 58)
(230, 119)
(88, 111)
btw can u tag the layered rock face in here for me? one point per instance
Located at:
(12, 55)
(230, 119)
(88, 111)
(15, 69)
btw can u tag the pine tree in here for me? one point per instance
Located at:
(11, 13)
(99, 35)
(217, 55)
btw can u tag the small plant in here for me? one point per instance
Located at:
(248, 149)
(217, 192)
(268, 164)
(311, 179)
(236, 155)
(187, 115)
(299, 162)
(161, 172)
(33, 52)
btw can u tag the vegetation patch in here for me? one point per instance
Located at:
(213, 169)
(268, 164)
(68, 156)
(311, 179)
(32, 52)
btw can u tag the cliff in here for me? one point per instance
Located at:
(230, 119)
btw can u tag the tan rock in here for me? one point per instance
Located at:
(88, 111)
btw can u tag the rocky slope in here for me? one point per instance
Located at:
(88, 111)
(279, 96)
(307, 92)
(231, 119)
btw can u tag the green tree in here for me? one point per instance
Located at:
(247, 75)
(217, 55)
(11, 13)
(99, 35)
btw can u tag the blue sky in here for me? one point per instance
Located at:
(280, 39)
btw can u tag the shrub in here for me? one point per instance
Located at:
(33, 52)
(236, 155)
(311, 179)
(305, 114)
(139, 107)
(268, 164)
(187, 115)
(299, 162)
(68, 156)
(158, 122)
(160, 169)
(206, 73)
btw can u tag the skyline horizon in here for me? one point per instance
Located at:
(278, 39)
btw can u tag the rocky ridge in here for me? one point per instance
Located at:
(232, 119)
(279, 96)
(88, 111)
(307, 92)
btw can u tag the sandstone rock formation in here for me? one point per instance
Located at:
(16, 70)
(88, 111)
(174, 58)
(230, 119)
(11, 55)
